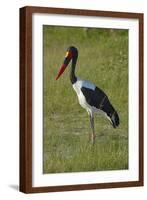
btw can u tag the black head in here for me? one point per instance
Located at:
(71, 53)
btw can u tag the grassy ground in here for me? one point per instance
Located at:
(103, 59)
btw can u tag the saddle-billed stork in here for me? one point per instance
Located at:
(90, 97)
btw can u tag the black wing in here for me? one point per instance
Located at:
(94, 97)
(99, 100)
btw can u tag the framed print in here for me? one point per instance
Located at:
(81, 99)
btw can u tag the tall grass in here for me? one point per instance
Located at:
(103, 59)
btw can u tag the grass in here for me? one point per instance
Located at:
(103, 59)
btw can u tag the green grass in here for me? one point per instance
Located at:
(103, 59)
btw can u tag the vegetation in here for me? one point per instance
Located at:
(103, 59)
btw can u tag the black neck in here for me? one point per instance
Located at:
(73, 78)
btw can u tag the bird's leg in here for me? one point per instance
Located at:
(93, 136)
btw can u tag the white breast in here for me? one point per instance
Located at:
(77, 87)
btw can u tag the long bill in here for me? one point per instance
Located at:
(62, 68)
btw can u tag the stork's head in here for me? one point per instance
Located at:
(71, 53)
